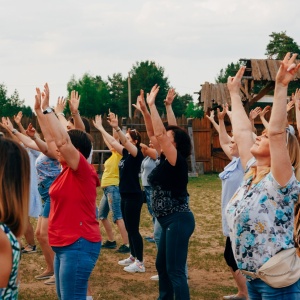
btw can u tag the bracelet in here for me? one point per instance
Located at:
(60, 113)
(34, 137)
(117, 130)
(14, 131)
(74, 114)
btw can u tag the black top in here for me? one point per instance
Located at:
(129, 167)
(169, 185)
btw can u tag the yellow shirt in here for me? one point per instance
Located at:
(111, 170)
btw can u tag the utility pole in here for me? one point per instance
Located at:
(129, 97)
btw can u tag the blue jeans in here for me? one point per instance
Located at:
(73, 266)
(149, 192)
(172, 255)
(259, 290)
(43, 188)
(111, 200)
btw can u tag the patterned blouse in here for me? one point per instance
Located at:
(261, 220)
(11, 291)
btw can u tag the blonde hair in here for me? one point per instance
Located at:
(294, 153)
(14, 186)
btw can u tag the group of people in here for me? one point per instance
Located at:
(260, 188)
(68, 230)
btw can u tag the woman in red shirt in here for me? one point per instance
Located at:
(74, 232)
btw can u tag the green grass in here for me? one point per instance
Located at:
(209, 277)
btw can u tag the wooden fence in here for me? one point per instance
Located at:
(208, 154)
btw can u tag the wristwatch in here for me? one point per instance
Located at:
(48, 110)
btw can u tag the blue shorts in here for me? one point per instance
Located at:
(111, 200)
(43, 188)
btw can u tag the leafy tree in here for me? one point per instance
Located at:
(280, 44)
(194, 111)
(230, 70)
(118, 92)
(94, 94)
(180, 104)
(144, 75)
(9, 106)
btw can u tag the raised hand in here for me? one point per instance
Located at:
(30, 131)
(221, 114)
(296, 99)
(140, 102)
(38, 100)
(60, 105)
(98, 122)
(290, 105)
(7, 124)
(112, 119)
(211, 117)
(170, 97)
(45, 97)
(74, 102)
(254, 113)
(234, 83)
(287, 70)
(152, 95)
(264, 111)
(18, 117)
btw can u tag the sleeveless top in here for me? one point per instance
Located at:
(11, 291)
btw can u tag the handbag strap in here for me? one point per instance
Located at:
(254, 275)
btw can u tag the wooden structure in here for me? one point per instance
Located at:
(257, 70)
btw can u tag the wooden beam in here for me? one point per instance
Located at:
(269, 87)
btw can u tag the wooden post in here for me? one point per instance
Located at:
(193, 160)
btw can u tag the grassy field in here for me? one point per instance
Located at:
(209, 277)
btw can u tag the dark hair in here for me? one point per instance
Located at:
(136, 136)
(85, 122)
(14, 186)
(81, 141)
(182, 140)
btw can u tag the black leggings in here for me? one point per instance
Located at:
(131, 206)
(228, 255)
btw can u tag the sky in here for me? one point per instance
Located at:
(50, 41)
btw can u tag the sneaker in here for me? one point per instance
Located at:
(43, 276)
(109, 245)
(149, 239)
(154, 277)
(135, 267)
(29, 249)
(123, 249)
(127, 261)
(50, 281)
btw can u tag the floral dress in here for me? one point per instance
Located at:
(11, 291)
(261, 220)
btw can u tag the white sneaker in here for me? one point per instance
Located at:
(154, 277)
(135, 267)
(127, 261)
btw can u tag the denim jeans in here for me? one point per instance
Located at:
(111, 200)
(43, 188)
(149, 192)
(172, 255)
(73, 266)
(259, 290)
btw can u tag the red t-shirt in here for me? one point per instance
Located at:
(73, 206)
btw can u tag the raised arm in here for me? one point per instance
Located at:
(296, 98)
(242, 128)
(74, 105)
(4, 124)
(109, 140)
(163, 138)
(142, 107)
(148, 151)
(211, 118)
(59, 111)
(18, 119)
(59, 134)
(168, 103)
(252, 116)
(225, 139)
(262, 116)
(280, 160)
